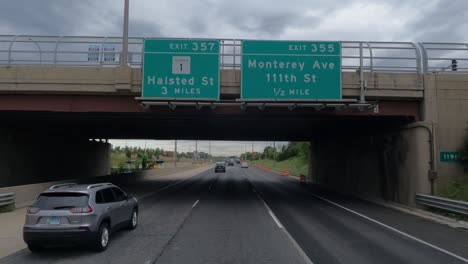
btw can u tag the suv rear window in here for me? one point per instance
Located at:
(61, 201)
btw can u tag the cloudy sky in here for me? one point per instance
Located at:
(389, 20)
(372, 20)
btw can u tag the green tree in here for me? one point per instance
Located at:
(128, 152)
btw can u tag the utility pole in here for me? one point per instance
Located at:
(245, 151)
(209, 149)
(252, 150)
(175, 153)
(274, 153)
(196, 150)
(124, 59)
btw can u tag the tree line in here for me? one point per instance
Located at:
(292, 149)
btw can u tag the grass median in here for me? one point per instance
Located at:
(296, 165)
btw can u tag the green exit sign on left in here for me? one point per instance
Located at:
(185, 69)
(450, 156)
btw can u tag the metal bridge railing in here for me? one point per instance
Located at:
(440, 57)
(106, 52)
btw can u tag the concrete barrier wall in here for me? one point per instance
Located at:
(446, 106)
(26, 194)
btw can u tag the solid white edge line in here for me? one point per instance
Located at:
(195, 204)
(394, 229)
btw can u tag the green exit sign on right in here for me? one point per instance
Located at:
(291, 70)
(450, 156)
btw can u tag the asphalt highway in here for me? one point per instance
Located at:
(252, 216)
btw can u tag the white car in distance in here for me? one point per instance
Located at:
(244, 165)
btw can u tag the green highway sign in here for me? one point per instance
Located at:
(181, 69)
(291, 70)
(450, 156)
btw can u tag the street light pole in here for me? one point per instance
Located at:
(124, 59)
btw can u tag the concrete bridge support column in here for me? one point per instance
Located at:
(28, 157)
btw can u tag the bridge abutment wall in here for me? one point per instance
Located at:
(28, 157)
(391, 166)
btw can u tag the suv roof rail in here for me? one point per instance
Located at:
(98, 185)
(62, 185)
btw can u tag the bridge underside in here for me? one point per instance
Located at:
(352, 150)
(123, 117)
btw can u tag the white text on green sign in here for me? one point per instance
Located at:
(291, 70)
(181, 69)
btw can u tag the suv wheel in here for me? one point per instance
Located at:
(34, 248)
(103, 237)
(134, 220)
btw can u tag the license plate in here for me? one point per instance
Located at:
(53, 220)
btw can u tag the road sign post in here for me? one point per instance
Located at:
(291, 70)
(176, 69)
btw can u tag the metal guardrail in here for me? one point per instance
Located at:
(370, 56)
(7, 199)
(106, 51)
(438, 57)
(449, 205)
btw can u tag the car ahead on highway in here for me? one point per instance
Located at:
(230, 163)
(79, 214)
(244, 165)
(220, 167)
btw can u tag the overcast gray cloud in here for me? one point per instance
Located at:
(391, 20)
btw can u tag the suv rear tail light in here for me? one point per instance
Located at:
(33, 210)
(81, 210)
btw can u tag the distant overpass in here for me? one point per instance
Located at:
(403, 103)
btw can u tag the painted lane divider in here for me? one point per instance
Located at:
(195, 204)
(278, 223)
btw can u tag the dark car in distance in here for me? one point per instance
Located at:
(220, 167)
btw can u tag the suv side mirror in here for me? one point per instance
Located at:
(129, 196)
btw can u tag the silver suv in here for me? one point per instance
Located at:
(85, 214)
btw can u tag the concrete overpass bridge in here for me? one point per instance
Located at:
(402, 105)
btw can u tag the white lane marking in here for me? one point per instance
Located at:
(144, 196)
(394, 229)
(209, 188)
(195, 204)
(277, 221)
